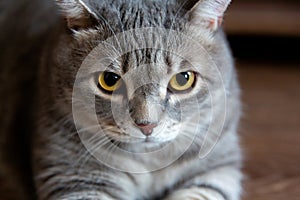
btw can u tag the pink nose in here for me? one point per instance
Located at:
(147, 129)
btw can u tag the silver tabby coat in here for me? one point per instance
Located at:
(206, 114)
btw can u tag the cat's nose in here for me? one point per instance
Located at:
(146, 128)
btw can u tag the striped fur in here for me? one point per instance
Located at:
(65, 169)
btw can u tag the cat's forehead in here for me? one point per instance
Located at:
(151, 28)
(140, 57)
(129, 14)
(150, 61)
(131, 5)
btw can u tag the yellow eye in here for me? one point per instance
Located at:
(182, 81)
(109, 81)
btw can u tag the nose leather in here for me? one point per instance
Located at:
(146, 129)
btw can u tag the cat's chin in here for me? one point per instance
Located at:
(142, 141)
(141, 145)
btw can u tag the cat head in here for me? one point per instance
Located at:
(148, 69)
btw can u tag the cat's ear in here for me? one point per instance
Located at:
(207, 13)
(77, 14)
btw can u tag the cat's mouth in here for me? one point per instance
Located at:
(132, 135)
(135, 141)
(150, 140)
(144, 145)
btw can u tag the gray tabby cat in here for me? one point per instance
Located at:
(169, 94)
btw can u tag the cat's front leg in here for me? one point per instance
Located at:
(196, 193)
(219, 184)
(88, 195)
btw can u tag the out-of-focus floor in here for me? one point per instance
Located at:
(270, 130)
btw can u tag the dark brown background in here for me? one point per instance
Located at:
(265, 37)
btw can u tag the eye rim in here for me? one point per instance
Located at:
(101, 83)
(174, 86)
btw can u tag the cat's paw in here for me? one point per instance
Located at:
(195, 193)
(87, 195)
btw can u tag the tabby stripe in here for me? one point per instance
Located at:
(87, 195)
(213, 188)
(131, 177)
(82, 185)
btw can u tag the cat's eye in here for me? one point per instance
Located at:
(109, 81)
(182, 81)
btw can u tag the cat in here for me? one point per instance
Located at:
(138, 100)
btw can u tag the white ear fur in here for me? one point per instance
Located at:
(209, 13)
(77, 13)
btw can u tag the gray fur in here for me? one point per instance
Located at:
(64, 169)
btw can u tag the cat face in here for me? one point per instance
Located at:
(144, 86)
(147, 101)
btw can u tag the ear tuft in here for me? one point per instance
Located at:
(77, 14)
(208, 13)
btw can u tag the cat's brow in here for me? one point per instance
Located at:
(184, 65)
(114, 67)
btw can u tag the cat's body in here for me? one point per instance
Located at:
(63, 166)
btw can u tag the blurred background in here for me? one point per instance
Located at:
(265, 39)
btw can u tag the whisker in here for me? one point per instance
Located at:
(174, 19)
(111, 29)
(89, 153)
(121, 24)
(100, 140)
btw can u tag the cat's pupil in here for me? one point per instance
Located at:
(111, 78)
(182, 78)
